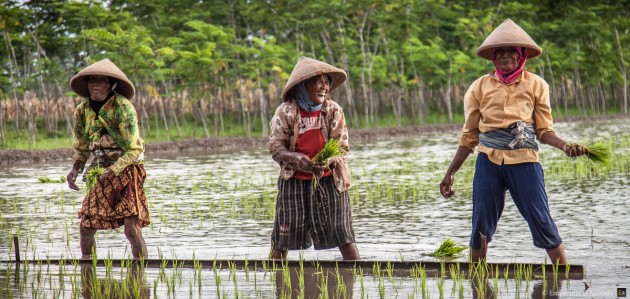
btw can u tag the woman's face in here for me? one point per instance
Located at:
(507, 58)
(317, 88)
(98, 86)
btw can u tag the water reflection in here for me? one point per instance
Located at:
(132, 285)
(221, 205)
(311, 282)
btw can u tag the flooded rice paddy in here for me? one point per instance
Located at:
(220, 205)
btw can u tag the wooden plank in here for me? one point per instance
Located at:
(396, 268)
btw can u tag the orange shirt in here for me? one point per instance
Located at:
(489, 104)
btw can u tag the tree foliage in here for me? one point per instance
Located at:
(222, 58)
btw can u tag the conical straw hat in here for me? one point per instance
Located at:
(307, 68)
(105, 67)
(508, 34)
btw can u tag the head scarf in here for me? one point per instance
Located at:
(509, 77)
(304, 101)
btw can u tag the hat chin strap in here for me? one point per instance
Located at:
(111, 90)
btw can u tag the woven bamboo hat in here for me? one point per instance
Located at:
(105, 67)
(508, 34)
(307, 68)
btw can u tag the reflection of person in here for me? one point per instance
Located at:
(301, 126)
(133, 286)
(505, 110)
(106, 126)
(311, 283)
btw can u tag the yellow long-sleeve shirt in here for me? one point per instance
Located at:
(490, 104)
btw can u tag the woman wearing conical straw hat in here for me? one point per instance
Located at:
(309, 214)
(505, 112)
(106, 128)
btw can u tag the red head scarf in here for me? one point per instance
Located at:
(509, 77)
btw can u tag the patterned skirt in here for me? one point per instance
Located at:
(112, 200)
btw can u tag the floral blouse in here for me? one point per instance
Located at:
(118, 117)
(285, 128)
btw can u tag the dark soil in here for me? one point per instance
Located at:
(223, 143)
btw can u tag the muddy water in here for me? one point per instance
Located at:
(220, 205)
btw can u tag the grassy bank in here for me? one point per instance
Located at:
(233, 125)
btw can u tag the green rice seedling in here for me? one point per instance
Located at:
(555, 267)
(544, 270)
(381, 287)
(376, 270)
(506, 272)
(440, 285)
(45, 179)
(528, 274)
(599, 152)
(92, 177)
(455, 272)
(301, 284)
(448, 249)
(331, 149)
(423, 282)
(495, 278)
(246, 268)
(390, 271)
(361, 282)
(323, 284)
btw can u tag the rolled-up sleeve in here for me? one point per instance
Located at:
(542, 110)
(470, 131)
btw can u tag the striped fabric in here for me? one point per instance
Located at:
(304, 218)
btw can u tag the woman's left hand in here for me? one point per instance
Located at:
(107, 173)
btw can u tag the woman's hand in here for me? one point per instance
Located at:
(301, 162)
(107, 173)
(446, 186)
(72, 175)
(574, 150)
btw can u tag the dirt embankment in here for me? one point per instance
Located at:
(223, 143)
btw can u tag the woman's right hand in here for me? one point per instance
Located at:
(446, 186)
(300, 162)
(303, 163)
(72, 175)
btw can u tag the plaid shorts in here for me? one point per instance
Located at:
(304, 217)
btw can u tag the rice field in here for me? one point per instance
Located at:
(220, 206)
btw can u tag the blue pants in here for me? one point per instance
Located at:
(525, 181)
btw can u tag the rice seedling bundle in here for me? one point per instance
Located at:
(599, 152)
(45, 179)
(92, 177)
(448, 249)
(331, 149)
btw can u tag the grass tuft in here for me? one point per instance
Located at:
(448, 249)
